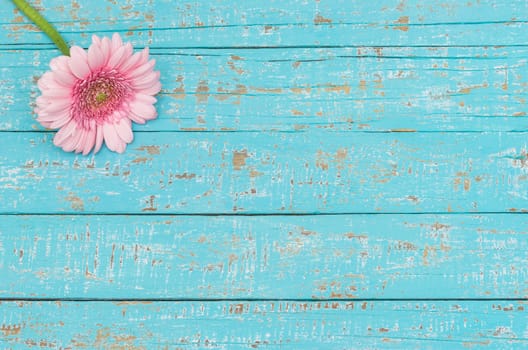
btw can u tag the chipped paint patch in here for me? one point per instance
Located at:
(76, 202)
(202, 92)
(152, 149)
(321, 20)
(151, 204)
(10, 330)
(239, 159)
(402, 24)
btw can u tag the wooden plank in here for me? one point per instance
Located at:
(346, 256)
(189, 13)
(252, 173)
(270, 324)
(217, 23)
(352, 89)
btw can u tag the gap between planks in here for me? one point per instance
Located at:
(230, 214)
(250, 300)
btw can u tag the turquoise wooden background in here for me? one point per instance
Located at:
(322, 175)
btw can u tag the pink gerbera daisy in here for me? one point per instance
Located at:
(93, 96)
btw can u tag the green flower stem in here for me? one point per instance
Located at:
(43, 24)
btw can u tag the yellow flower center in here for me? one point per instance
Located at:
(101, 97)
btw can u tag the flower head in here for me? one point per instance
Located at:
(94, 96)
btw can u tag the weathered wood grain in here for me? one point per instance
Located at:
(263, 325)
(188, 13)
(348, 89)
(356, 256)
(260, 173)
(277, 108)
(292, 23)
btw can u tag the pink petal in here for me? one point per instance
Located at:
(152, 90)
(79, 62)
(61, 143)
(144, 110)
(41, 110)
(46, 82)
(64, 132)
(143, 58)
(136, 118)
(43, 121)
(69, 144)
(130, 63)
(122, 148)
(116, 57)
(152, 115)
(59, 104)
(145, 55)
(96, 40)
(148, 99)
(46, 125)
(114, 117)
(47, 114)
(111, 138)
(57, 92)
(126, 121)
(60, 121)
(142, 70)
(60, 63)
(99, 137)
(146, 81)
(95, 57)
(46, 122)
(127, 55)
(124, 130)
(79, 146)
(116, 42)
(56, 105)
(46, 117)
(90, 141)
(64, 78)
(106, 49)
(43, 101)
